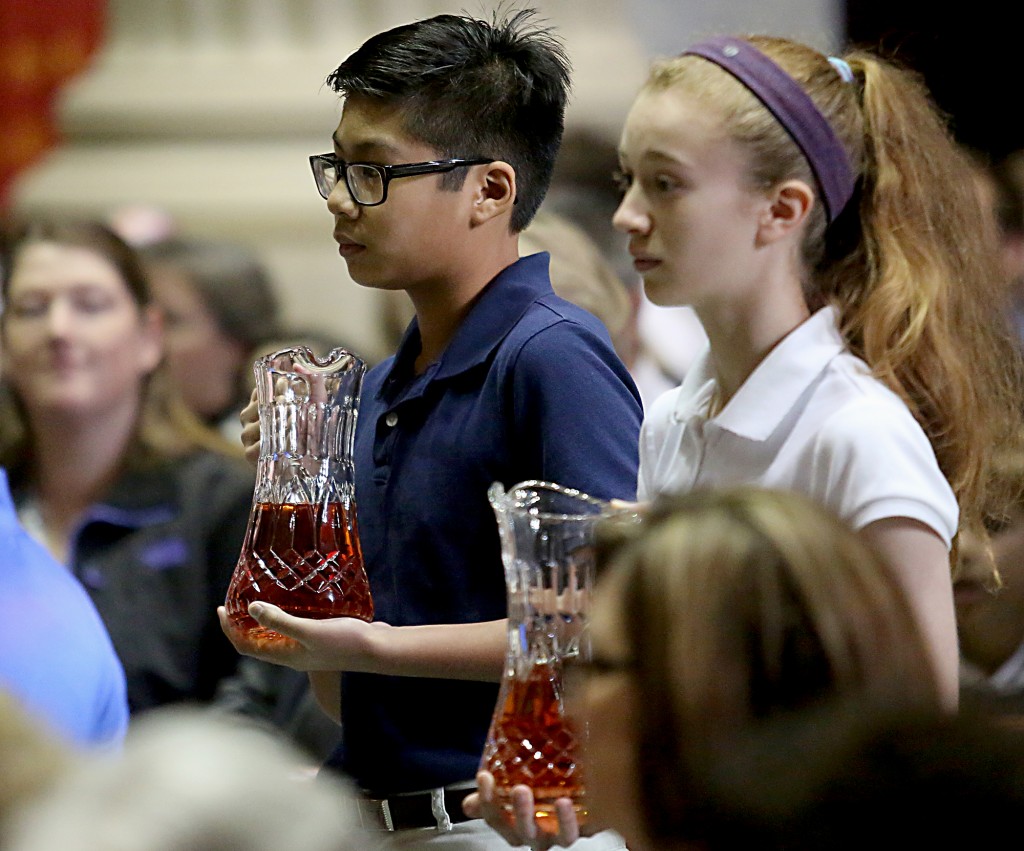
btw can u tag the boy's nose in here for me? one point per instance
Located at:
(340, 202)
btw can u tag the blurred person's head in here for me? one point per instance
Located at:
(1006, 195)
(82, 340)
(715, 613)
(79, 330)
(990, 610)
(31, 758)
(219, 303)
(189, 779)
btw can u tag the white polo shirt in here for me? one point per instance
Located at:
(812, 419)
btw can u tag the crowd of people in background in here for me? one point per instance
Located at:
(813, 635)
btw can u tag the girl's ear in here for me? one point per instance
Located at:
(789, 205)
(495, 193)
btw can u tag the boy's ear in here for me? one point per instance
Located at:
(495, 192)
(788, 206)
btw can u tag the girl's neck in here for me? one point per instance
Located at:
(742, 335)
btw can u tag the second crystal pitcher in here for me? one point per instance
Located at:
(547, 535)
(301, 550)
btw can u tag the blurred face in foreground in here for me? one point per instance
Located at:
(603, 698)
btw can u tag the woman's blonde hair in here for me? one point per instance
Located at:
(911, 264)
(166, 428)
(740, 606)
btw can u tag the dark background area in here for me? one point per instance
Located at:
(971, 55)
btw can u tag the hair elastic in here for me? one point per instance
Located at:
(842, 67)
(793, 109)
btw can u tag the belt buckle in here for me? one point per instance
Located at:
(380, 814)
(375, 813)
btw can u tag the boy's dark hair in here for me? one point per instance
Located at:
(470, 88)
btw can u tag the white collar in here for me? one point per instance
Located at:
(772, 389)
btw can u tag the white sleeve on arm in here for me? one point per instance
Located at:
(873, 461)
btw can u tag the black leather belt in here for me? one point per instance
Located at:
(437, 808)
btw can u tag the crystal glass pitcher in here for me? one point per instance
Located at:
(547, 536)
(301, 550)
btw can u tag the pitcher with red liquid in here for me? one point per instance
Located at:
(301, 550)
(547, 537)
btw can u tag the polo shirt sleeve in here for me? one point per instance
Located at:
(873, 461)
(577, 411)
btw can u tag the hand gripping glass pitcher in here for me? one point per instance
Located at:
(547, 537)
(301, 550)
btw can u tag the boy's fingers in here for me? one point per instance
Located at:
(568, 824)
(472, 806)
(272, 617)
(522, 809)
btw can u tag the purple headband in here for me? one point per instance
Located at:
(794, 110)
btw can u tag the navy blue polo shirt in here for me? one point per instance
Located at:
(529, 388)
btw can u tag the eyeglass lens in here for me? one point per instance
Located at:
(366, 184)
(326, 176)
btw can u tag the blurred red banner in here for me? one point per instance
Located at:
(43, 44)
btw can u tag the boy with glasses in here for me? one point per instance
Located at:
(444, 151)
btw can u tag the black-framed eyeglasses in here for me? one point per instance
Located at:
(368, 182)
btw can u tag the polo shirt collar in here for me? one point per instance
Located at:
(499, 307)
(773, 388)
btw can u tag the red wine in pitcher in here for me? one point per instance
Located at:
(531, 742)
(304, 558)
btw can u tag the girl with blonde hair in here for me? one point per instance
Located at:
(816, 214)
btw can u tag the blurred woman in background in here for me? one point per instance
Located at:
(220, 312)
(107, 470)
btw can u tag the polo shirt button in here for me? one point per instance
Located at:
(391, 419)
